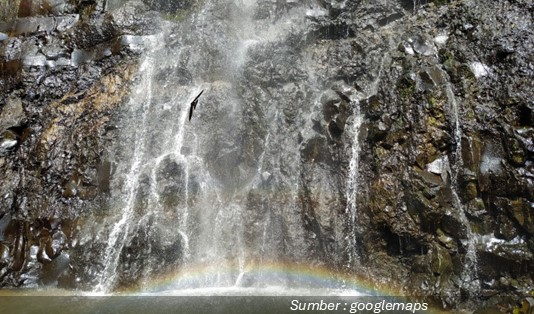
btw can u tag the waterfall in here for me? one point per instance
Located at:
(222, 192)
(353, 175)
(141, 102)
(352, 184)
(469, 273)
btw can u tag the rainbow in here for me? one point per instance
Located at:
(305, 281)
(292, 278)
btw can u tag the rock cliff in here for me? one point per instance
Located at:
(408, 125)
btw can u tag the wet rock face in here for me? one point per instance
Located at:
(44, 7)
(444, 186)
(170, 180)
(169, 6)
(149, 246)
(56, 126)
(453, 125)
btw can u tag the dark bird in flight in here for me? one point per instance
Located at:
(194, 105)
(343, 96)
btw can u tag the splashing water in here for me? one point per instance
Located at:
(469, 273)
(120, 229)
(207, 191)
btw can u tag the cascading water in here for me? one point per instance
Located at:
(469, 273)
(352, 184)
(337, 143)
(222, 193)
(353, 180)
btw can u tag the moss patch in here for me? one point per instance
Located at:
(406, 87)
(8, 9)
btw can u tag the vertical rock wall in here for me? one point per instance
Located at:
(444, 200)
(65, 69)
(453, 116)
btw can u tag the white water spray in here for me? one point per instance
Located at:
(183, 193)
(469, 273)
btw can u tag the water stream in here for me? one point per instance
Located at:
(206, 196)
(469, 274)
